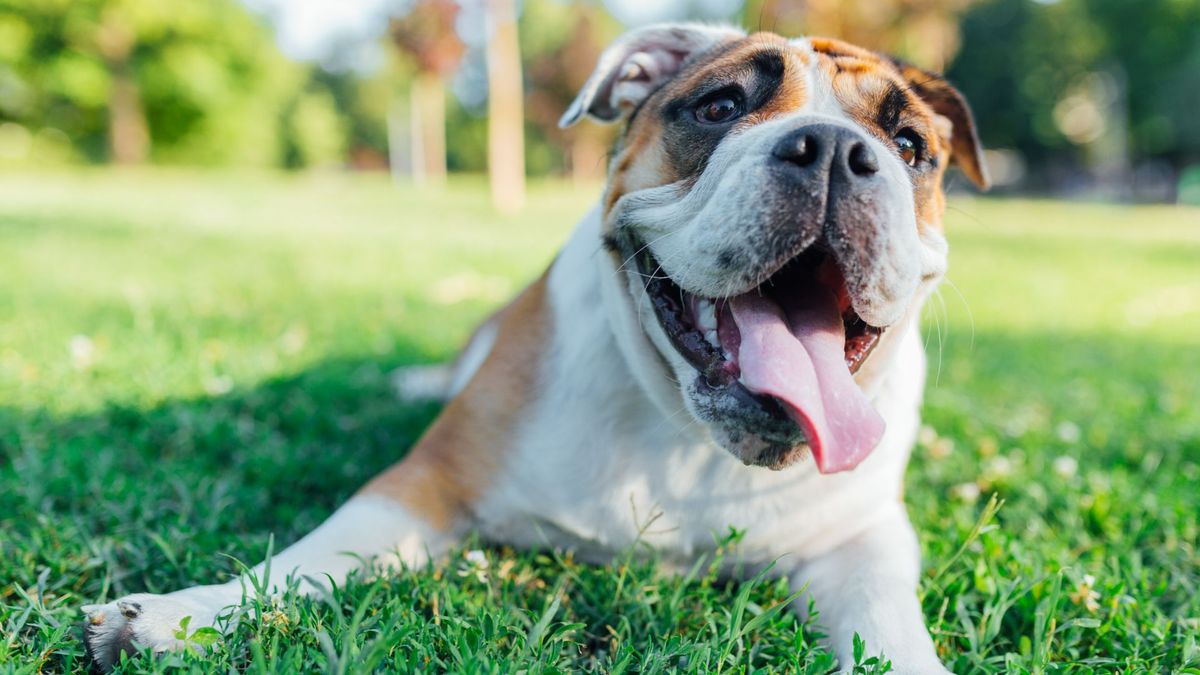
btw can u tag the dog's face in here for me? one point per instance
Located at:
(775, 206)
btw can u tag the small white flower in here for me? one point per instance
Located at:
(927, 435)
(941, 448)
(998, 467)
(966, 492)
(293, 340)
(218, 385)
(1066, 466)
(1068, 432)
(477, 558)
(83, 351)
(1085, 594)
(475, 564)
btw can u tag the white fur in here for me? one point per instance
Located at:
(641, 460)
(364, 530)
(608, 452)
(642, 454)
(686, 226)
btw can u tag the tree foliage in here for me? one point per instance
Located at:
(1021, 58)
(205, 76)
(203, 81)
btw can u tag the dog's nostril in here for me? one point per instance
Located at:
(806, 150)
(862, 160)
(801, 150)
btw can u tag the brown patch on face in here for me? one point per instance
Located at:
(958, 130)
(664, 144)
(874, 93)
(837, 49)
(449, 468)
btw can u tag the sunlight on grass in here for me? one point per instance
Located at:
(191, 362)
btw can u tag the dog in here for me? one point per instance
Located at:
(728, 339)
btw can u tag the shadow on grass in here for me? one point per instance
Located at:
(130, 500)
(278, 457)
(127, 494)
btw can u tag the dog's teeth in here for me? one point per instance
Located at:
(706, 315)
(711, 336)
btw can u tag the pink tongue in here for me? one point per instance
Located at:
(799, 359)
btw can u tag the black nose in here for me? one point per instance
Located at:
(828, 149)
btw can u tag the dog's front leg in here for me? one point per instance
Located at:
(368, 527)
(409, 512)
(868, 586)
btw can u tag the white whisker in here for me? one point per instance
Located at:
(966, 306)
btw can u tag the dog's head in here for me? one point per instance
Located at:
(774, 206)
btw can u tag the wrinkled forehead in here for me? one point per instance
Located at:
(816, 76)
(820, 75)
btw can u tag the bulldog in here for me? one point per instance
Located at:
(728, 339)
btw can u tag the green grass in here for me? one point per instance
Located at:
(191, 364)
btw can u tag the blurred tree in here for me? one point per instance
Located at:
(175, 80)
(427, 34)
(316, 131)
(924, 32)
(114, 38)
(1070, 74)
(562, 44)
(363, 103)
(506, 117)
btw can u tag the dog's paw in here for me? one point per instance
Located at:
(141, 621)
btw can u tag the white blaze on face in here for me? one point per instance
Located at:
(731, 208)
(744, 212)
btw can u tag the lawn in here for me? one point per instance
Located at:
(194, 365)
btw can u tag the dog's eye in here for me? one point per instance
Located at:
(908, 143)
(718, 110)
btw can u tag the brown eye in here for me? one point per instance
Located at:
(718, 110)
(908, 143)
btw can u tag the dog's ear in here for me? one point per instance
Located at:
(637, 64)
(965, 149)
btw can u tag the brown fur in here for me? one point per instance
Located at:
(453, 463)
(861, 80)
(643, 161)
(945, 100)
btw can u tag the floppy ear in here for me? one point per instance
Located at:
(637, 64)
(965, 149)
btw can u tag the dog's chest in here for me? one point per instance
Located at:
(600, 480)
(598, 466)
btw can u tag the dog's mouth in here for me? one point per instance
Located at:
(792, 343)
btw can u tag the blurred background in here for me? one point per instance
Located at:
(1077, 98)
(225, 223)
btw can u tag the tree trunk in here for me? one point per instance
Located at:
(506, 115)
(427, 102)
(128, 137)
(399, 141)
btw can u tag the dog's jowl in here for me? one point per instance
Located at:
(729, 338)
